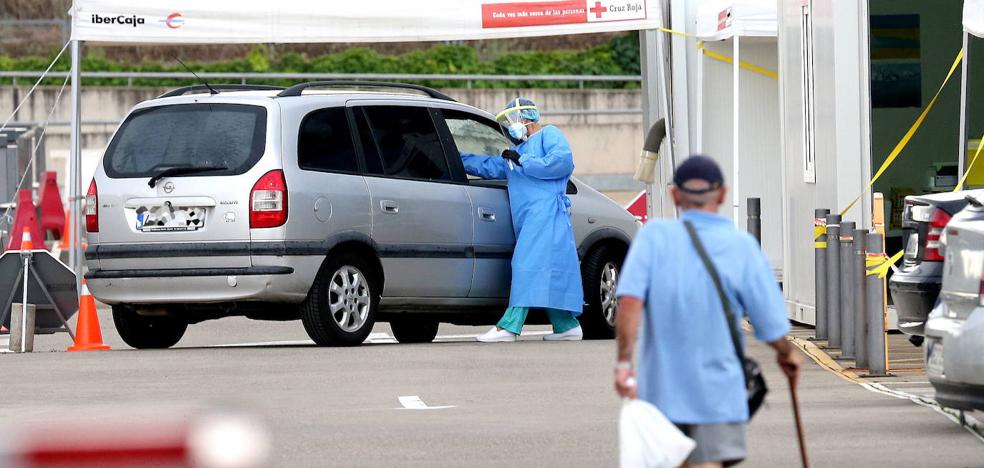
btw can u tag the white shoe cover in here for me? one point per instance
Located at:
(574, 334)
(497, 336)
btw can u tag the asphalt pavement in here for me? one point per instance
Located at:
(530, 403)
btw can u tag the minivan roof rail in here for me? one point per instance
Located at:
(297, 89)
(220, 87)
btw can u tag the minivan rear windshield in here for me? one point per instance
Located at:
(188, 135)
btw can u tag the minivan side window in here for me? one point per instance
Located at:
(406, 142)
(324, 142)
(472, 135)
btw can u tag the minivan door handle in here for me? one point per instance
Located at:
(486, 214)
(389, 206)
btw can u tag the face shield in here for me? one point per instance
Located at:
(516, 114)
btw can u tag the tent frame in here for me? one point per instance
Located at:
(654, 88)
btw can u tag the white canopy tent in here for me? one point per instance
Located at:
(719, 20)
(293, 21)
(973, 24)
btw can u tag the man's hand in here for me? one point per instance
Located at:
(625, 382)
(790, 363)
(511, 155)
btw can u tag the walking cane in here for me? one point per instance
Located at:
(799, 424)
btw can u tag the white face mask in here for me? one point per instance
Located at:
(517, 130)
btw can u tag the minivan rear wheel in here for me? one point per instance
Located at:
(599, 273)
(147, 331)
(340, 309)
(413, 329)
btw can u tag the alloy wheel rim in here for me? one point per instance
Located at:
(348, 298)
(609, 282)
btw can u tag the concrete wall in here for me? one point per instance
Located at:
(606, 147)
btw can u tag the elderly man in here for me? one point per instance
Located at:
(689, 367)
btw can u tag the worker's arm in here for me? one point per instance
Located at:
(626, 331)
(486, 167)
(558, 163)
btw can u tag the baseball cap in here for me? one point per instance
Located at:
(698, 167)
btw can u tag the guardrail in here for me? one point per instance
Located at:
(244, 77)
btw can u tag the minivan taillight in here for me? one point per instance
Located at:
(936, 225)
(92, 208)
(268, 201)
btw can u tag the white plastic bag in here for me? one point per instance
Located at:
(648, 440)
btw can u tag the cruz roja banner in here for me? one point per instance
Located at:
(238, 21)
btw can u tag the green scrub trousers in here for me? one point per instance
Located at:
(515, 317)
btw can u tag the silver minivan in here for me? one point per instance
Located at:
(338, 207)
(955, 330)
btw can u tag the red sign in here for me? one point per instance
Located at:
(723, 17)
(637, 207)
(519, 14)
(554, 12)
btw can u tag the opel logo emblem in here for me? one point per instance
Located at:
(168, 187)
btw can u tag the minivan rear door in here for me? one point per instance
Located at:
(174, 185)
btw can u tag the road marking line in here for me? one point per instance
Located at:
(475, 335)
(373, 338)
(413, 402)
(972, 425)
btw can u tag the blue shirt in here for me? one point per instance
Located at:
(687, 365)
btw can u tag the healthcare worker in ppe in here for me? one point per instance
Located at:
(545, 269)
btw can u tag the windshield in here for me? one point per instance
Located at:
(188, 135)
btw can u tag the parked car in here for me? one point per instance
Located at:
(916, 286)
(340, 208)
(955, 330)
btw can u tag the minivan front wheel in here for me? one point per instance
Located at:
(599, 273)
(146, 331)
(340, 309)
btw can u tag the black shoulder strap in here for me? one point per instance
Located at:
(725, 303)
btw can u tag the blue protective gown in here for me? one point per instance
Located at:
(545, 269)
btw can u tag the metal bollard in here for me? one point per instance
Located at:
(833, 281)
(860, 317)
(847, 289)
(753, 207)
(875, 297)
(22, 328)
(820, 271)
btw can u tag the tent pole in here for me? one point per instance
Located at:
(75, 170)
(699, 97)
(962, 148)
(735, 125)
(667, 164)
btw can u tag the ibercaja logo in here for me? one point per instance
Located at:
(121, 20)
(173, 21)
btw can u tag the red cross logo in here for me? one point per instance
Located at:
(597, 9)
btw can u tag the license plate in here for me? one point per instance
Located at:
(170, 219)
(934, 359)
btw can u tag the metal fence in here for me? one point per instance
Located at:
(246, 77)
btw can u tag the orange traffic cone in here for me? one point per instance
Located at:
(88, 337)
(26, 242)
(65, 241)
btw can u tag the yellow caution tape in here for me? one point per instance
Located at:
(678, 33)
(723, 58)
(741, 63)
(980, 144)
(908, 135)
(879, 264)
(819, 232)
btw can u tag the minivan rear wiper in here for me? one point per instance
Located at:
(182, 170)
